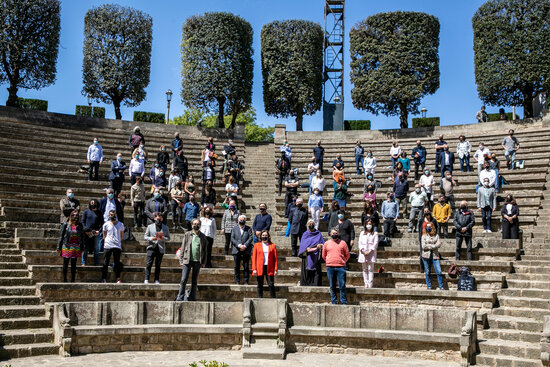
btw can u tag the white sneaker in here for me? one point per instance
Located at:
(489, 231)
(119, 281)
(157, 282)
(146, 282)
(484, 231)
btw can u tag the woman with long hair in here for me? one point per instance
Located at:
(264, 263)
(430, 254)
(71, 244)
(368, 245)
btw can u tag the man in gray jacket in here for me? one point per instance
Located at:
(241, 248)
(157, 234)
(192, 257)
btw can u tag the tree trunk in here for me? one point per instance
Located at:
(118, 115)
(221, 103)
(299, 119)
(528, 103)
(403, 115)
(12, 97)
(233, 120)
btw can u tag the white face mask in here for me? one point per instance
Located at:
(369, 227)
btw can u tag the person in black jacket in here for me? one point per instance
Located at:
(163, 158)
(419, 156)
(71, 244)
(346, 231)
(157, 204)
(283, 167)
(176, 145)
(116, 177)
(241, 248)
(298, 224)
(510, 221)
(370, 213)
(208, 196)
(181, 165)
(92, 222)
(464, 221)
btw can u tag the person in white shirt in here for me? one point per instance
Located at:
(113, 231)
(427, 182)
(312, 168)
(368, 245)
(369, 163)
(95, 158)
(174, 178)
(137, 169)
(487, 173)
(480, 155)
(463, 150)
(395, 152)
(208, 228)
(318, 182)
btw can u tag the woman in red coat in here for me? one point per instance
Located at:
(264, 263)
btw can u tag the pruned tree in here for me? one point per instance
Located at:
(394, 62)
(511, 45)
(117, 55)
(29, 43)
(217, 65)
(292, 69)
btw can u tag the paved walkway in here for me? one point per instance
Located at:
(233, 359)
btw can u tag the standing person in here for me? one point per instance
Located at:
(315, 207)
(370, 213)
(488, 173)
(442, 213)
(137, 201)
(157, 204)
(395, 152)
(241, 243)
(510, 221)
(264, 263)
(191, 210)
(136, 139)
(419, 156)
(174, 178)
(510, 144)
(447, 186)
(440, 145)
(311, 246)
(229, 221)
(368, 245)
(189, 188)
(158, 181)
(228, 152)
(359, 153)
(486, 204)
(340, 192)
(113, 231)
(319, 153)
(418, 200)
(285, 148)
(464, 221)
(494, 164)
(291, 183)
(318, 182)
(447, 161)
(156, 234)
(108, 203)
(463, 150)
(136, 169)
(192, 258)
(70, 244)
(92, 221)
(370, 194)
(400, 190)
(481, 155)
(283, 168)
(177, 203)
(262, 221)
(389, 214)
(232, 189)
(181, 165)
(208, 228)
(481, 115)
(338, 172)
(208, 196)
(337, 161)
(176, 146)
(430, 256)
(346, 231)
(67, 204)
(298, 221)
(163, 158)
(95, 158)
(116, 177)
(333, 215)
(141, 153)
(405, 162)
(369, 164)
(336, 254)
(426, 183)
(312, 169)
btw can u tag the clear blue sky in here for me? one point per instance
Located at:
(456, 101)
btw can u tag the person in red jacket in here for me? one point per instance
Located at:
(264, 263)
(336, 254)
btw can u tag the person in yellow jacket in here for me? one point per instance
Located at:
(442, 213)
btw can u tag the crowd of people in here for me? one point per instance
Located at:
(101, 226)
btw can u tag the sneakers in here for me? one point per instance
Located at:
(146, 282)
(157, 282)
(489, 231)
(119, 281)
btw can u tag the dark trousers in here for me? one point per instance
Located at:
(459, 239)
(116, 185)
(418, 173)
(227, 242)
(294, 238)
(194, 268)
(94, 167)
(270, 284)
(139, 207)
(177, 213)
(133, 177)
(486, 214)
(209, 244)
(451, 200)
(510, 231)
(438, 159)
(389, 227)
(446, 168)
(281, 180)
(107, 259)
(66, 268)
(443, 229)
(288, 199)
(156, 255)
(243, 257)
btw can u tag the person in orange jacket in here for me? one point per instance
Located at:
(264, 263)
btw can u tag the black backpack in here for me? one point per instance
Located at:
(466, 282)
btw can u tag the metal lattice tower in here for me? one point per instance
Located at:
(333, 91)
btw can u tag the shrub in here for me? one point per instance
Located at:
(98, 112)
(32, 104)
(83, 111)
(143, 116)
(496, 116)
(357, 125)
(425, 121)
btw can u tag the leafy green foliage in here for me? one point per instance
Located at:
(425, 122)
(394, 62)
(209, 364)
(29, 34)
(83, 110)
(117, 55)
(32, 104)
(511, 45)
(496, 116)
(98, 112)
(158, 118)
(217, 65)
(292, 69)
(357, 125)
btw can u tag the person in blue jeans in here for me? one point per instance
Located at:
(359, 152)
(336, 254)
(430, 255)
(92, 223)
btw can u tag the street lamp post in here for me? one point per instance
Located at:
(168, 99)
(424, 111)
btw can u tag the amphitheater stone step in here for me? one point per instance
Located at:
(492, 360)
(28, 350)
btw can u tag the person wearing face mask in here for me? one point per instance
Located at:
(481, 155)
(116, 177)
(494, 165)
(369, 180)
(136, 139)
(71, 244)
(447, 187)
(510, 144)
(346, 230)
(285, 148)
(232, 189)
(400, 190)
(192, 256)
(262, 221)
(191, 211)
(282, 165)
(510, 221)
(208, 228)
(447, 161)
(370, 194)
(298, 221)
(227, 152)
(427, 219)
(370, 213)
(163, 158)
(156, 234)
(464, 221)
(137, 169)
(359, 153)
(463, 150)
(427, 182)
(92, 221)
(241, 248)
(405, 162)
(141, 153)
(176, 146)
(208, 196)
(158, 179)
(418, 200)
(291, 183)
(108, 203)
(340, 192)
(312, 169)
(315, 207)
(368, 245)
(95, 158)
(319, 153)
(177, 203)
(67, 204)
(338, 173)
(137, 201)
(430, 256)
(311, 245)
(486, 204)
(318, 182)
(333, 215)
(336, 255)
(338, 161)
(113, 231)
(481, 115)
(181, 165)
(156, 204)
(389, 214)
(440, 145)
(369, 164)
(395, 152)
(442, 213)
(419, 156)
(488, 174)
(265, 264)
(229, 221)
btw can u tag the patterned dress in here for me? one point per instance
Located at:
(72, 248)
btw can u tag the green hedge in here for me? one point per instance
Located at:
(357, 125)
(158, 118)
(90, 111)
(99, 112)
(425, 121)
(32, 104)
(496, 116)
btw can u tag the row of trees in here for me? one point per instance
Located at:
(394, 58)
